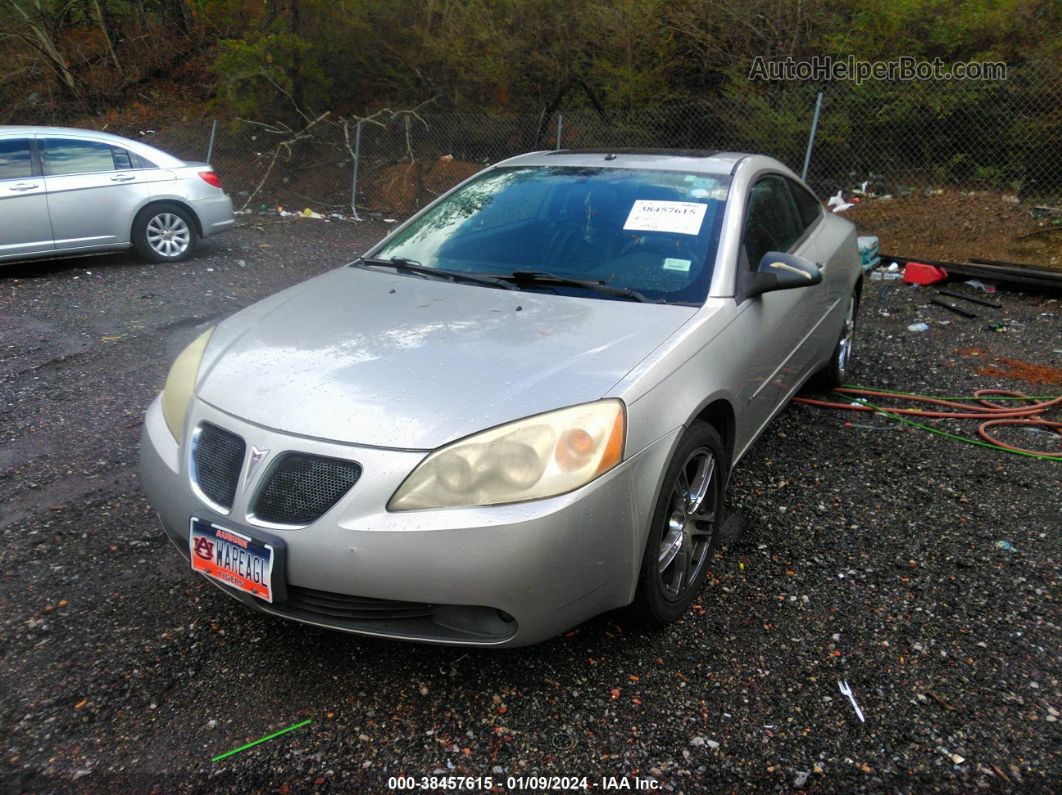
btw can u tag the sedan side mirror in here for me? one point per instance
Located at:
(778, 271)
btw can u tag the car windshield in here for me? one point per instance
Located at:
(654, 232)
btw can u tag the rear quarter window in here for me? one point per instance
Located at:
(140, 161)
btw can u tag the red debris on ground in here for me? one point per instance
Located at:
(1024, 371)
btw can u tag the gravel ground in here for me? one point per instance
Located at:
(870, 555)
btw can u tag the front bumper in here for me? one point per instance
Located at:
(505, 575)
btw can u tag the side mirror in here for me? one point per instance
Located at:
(778, 271)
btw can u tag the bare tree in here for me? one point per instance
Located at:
(37, 30)
(102, 19)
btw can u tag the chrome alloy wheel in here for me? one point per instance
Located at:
(844, 347)
(690, 524)
(168, 235)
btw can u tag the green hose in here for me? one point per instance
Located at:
(939, 397)
(939, 432)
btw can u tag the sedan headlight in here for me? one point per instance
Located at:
(529, 459)
(177, 393)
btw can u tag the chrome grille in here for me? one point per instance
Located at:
(217, 458)
(300, 488)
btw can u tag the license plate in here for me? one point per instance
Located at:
(232, 558)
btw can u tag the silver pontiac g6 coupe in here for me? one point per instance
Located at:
(518, 410)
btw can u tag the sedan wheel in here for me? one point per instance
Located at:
(168, 235)
(685, 527)
(164, 233)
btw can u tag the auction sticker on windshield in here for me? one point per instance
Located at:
(683, 218)
(232, 558)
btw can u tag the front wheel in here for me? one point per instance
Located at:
(164, 233)
(685, 527)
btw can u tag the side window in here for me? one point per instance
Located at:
(139, 161)
(807, 205)
(69, 156)
(15, 159)
(771, 220)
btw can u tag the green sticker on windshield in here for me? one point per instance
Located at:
(673, 264)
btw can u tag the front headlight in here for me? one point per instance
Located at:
(177, 393)
(529, 459)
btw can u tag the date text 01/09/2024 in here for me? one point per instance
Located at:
(519, 783)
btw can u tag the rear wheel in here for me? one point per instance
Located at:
(684, 528)
(164, 233)
(835, 372)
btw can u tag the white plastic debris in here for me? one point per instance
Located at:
(842, 685)
(838, 203)
(955, 758)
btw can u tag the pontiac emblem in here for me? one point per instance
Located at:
(252, 465)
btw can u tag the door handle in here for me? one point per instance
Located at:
(23, 186)
(122, 177)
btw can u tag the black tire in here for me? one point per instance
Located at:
(164, 232)
(663, 594)
(837, 369)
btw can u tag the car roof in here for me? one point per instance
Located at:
(137, 146)
(31, 129)
(690, 160)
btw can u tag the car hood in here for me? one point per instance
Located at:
(375, 358)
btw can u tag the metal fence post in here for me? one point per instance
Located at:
(354, 177)
(210, 146)
(811, 137)
(560, 128)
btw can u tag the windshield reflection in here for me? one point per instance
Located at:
(656, 232)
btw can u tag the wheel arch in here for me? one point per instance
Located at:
(719, 413)
(156, 201)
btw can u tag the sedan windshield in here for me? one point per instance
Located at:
(652, 234)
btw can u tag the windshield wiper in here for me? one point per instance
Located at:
(551, 279)
(403, 265)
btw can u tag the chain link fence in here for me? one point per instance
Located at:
(899, 138)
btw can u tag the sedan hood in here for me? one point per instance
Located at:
(374, 358)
